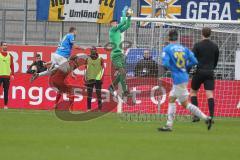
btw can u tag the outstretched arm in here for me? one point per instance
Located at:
(119, 26)
(30, 68)
(78, 47)
(72, 41)
(126, 25)
(125, 21)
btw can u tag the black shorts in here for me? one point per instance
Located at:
(203, 76)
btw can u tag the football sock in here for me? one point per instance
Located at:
(45, 73)
(194, 100)
(211, 106)
(196, 111)
(171, 113)
(58, 97)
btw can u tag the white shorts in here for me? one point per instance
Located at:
(180, 92)
(58, 60)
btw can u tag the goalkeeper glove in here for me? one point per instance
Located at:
(124, 11)
(129, 12)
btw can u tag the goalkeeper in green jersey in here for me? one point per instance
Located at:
(117, 53)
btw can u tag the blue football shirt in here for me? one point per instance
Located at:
(178, 59)
(65, 46)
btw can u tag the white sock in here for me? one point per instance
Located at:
(44, 73)
(171, 114)
(196, 111)
(49, 71)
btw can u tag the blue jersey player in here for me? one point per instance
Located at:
(178, 59)
(62, 53)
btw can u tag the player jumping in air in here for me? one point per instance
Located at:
(62, 54)
(178, 59)
(117, 53)
(57, 78)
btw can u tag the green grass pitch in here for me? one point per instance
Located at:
(40, 135)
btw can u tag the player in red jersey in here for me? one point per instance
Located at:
(57, 79)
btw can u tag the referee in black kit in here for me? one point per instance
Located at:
(207, 53)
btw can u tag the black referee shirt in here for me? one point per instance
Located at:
(207, 54)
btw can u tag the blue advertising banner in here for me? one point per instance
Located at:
(192, 9)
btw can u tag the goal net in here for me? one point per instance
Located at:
(150, 86)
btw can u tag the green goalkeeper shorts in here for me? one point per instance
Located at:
(118, 61)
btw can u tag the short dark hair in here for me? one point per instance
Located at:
(173, 35)
(93, 49)
(206, 32)
(2, 42)
(38, 55)
(72, 29)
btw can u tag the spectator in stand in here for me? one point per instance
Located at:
(146, 67)
(6, 71)
(37, 66)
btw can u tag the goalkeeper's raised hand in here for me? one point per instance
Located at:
(124, 11)
(129, 12)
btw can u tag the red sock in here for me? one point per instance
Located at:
(58, 97)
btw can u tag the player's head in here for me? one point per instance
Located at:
(146, 54)
(73, 30)
(113, 23)
(74, 62)
(93, 52)
(38, 57)
(173, 35)
(206, 32)
(4, 46)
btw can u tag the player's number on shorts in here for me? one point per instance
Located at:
(180, 59)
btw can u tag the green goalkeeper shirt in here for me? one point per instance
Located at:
(115, 36)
